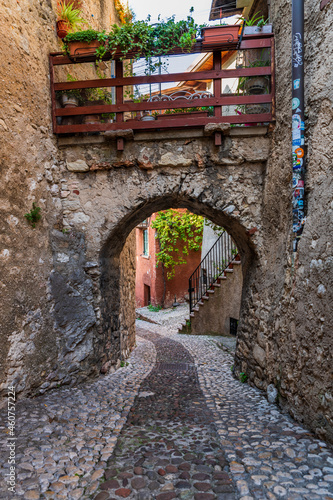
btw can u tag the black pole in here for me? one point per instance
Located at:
(298, 150)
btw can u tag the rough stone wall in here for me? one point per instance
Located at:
(288, 341)
(29, 346)
(62, 284)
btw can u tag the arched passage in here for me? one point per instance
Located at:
(118, 309)
(87, 286)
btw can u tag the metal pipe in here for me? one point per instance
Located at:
(298, 149)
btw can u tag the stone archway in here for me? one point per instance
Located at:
(88, 283)
(118, 310)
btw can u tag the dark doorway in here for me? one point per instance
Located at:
(146, 291)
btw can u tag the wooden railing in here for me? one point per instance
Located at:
(121, 106)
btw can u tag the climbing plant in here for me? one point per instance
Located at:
(177, 233)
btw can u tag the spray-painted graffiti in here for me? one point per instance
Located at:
(297, 50)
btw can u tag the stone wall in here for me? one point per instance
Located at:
(66, 285)
(28, 160)
(289, 339)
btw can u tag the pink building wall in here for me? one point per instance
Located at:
(147, 275)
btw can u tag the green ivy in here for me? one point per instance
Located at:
(178, 233)
(34, 215)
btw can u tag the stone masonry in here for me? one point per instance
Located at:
(66, 286)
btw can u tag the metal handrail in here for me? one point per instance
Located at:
(212, 266)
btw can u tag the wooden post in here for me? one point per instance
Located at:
(217, 82)
(53, 96)
(119, 90)
(120, 144)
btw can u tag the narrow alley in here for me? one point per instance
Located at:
(172, 423)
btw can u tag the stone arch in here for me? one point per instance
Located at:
(118, 326)
(91, 332)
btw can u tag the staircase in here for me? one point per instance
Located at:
(215, 290)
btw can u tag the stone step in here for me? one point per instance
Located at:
(211, 291)
(205, 297)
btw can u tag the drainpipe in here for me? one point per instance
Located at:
(298, 150)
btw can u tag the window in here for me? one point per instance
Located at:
(145, 243)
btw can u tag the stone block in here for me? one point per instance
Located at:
(77, 166)
(259, 355)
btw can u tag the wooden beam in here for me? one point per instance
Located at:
(224, 100)
(119, 91)
(218, 139)
(173, 77)
(120, 144)
(217, 84)
(162, 124)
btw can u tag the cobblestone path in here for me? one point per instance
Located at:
(149, 430)
(169, 446)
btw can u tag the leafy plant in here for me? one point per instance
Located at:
(71, 93)
(177, 233)
(141, 39)
(123, 364)
(34, 215)
(209, 109)
(243, 377)
(72, 16)
(255, 19)
(154, 308)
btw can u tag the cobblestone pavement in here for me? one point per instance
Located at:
(232, 442)
(169, 446)
(65, 437)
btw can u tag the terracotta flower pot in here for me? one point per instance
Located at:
(214, 36)
(80, 49)
(62, 28)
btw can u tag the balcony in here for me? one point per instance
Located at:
(193, 99)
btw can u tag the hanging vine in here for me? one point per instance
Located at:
(178, 233)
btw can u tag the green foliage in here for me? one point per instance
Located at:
(210, 110)
(70, 93)
(256, 20)
(154, 308)
(67, 12)
(34, 215)
(178, 233)
(242, 377)
(217, 229)
(123, 364)
(141, 38)
(84, 36)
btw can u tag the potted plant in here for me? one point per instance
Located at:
(195, 112)
(257, 24)
(69, 18)
(69, 98)
(85, 43)
(214, 36)
(255, 85)
(135, 39)
(97, 97)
